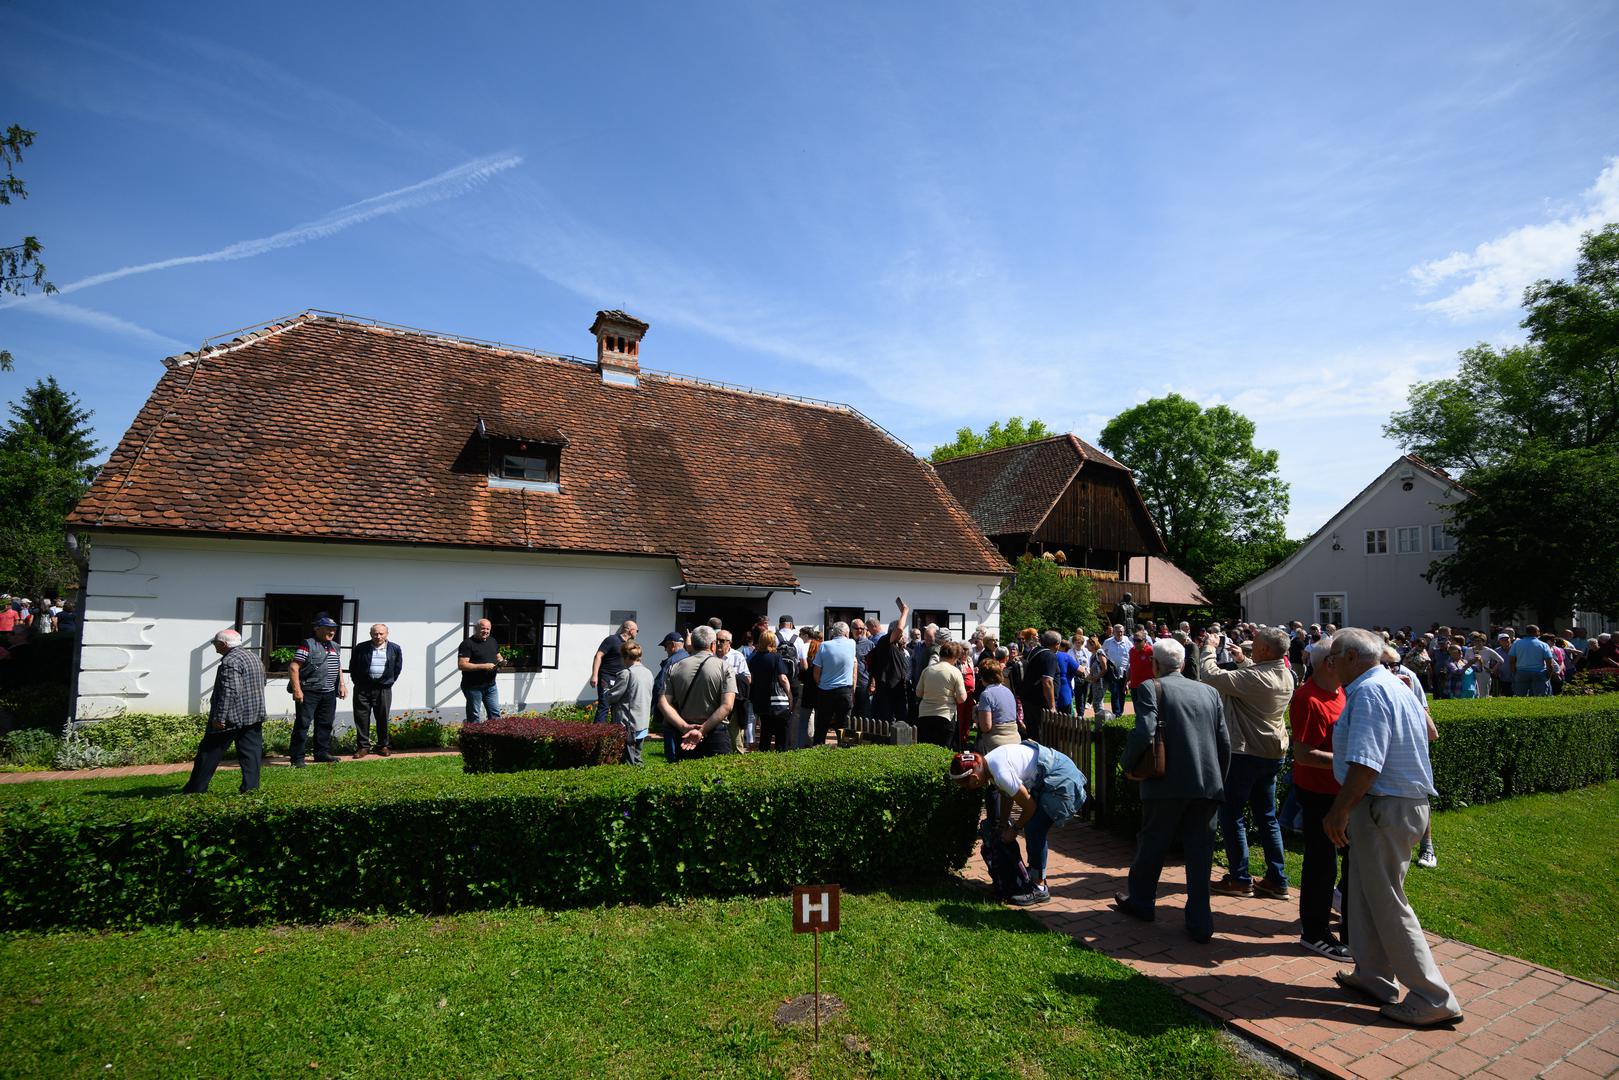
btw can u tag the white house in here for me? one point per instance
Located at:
(1364, 567)
(384, 474)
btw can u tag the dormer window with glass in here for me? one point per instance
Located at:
(522, 460)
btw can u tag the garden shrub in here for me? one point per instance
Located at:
(533, 741)
(305, 850)
(29, 748)
(36, 706)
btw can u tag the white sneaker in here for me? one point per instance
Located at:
(1427, 859)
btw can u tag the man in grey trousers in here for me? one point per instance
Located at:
(1380, 756)
(1182, 805)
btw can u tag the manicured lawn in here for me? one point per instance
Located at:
(938, 983)
(1533, 877)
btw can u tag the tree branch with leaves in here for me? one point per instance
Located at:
(20, 265)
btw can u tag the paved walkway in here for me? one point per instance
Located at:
(1522, 1020)
(185, 767)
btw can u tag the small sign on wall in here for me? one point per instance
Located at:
(617, 619)
(684, 606)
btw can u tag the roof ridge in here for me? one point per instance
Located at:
(1004, 449)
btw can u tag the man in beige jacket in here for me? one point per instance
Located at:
(1256, 695)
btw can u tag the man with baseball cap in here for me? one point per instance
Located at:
(1044, 785)
(316, 681)
(674, 651)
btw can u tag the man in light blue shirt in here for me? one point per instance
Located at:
(1117, 651)
(1530, 660)
(1380, 756)
(834, 675)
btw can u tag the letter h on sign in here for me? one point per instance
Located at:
(815, 908)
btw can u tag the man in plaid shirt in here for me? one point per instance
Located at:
(235, 714)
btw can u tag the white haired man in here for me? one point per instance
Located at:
(374, 665)
(1180, 805)
(1380, 757)
(698, 697)
(235, 715)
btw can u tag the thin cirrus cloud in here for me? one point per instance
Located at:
(446, 185)
(1491, 278)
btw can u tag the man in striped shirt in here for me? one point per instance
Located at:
(317, 682)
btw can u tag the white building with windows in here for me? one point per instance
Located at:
(1364, 567)
(377, 473)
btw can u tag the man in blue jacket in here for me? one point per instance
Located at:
(374, 666)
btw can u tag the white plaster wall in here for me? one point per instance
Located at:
(153, 605)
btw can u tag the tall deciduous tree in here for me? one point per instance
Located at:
(1207, 485)
(1559, 389)
(995, 437)
(20, 267)
(1534, 430)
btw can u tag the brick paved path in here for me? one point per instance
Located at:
(184, 767)
(1522, 1020)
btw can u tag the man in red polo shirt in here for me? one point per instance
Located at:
(1314, 709)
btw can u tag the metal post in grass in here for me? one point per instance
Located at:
(815, 908)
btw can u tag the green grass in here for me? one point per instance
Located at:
(1533, 877)
(938, 983)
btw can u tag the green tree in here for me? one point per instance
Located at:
(1559, 389)
(1538, 536)
(1534, 431)
(54, 416)
(19, 263)
(1230, 565)
(1208, 487)
(995, 437)
(38, 492)
(1047, 597)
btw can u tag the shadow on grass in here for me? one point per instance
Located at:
(968, 917)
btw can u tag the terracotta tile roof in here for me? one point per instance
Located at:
(1170, 584)
(326, 428)
(1011, 490)
(733, 568)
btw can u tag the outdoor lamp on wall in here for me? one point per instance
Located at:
(1335, 545)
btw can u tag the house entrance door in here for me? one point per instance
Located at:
(737, 613)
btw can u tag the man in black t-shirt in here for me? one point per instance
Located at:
(479, 658)
(889, 669)
(1040, 674)
(608, 665)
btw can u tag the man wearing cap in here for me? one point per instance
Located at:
(674, 651)
(235, 714)
(698, 697)
(1044, 785)
(316, 681)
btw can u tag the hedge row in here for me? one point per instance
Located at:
(1490, 748)
(452, 841)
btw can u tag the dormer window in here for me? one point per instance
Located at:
(515, 463)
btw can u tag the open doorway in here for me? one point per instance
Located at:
(736, 613)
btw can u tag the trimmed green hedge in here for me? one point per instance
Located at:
(1488, 749)
(739, 825)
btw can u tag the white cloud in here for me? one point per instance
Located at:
(446, 185)
(53, 308)
(1491, 278)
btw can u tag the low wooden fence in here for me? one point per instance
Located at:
(1080, 737)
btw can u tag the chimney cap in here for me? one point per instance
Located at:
(621, 318)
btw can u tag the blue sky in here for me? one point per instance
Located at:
(941, 213)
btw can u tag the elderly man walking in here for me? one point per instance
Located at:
(1380, 756)
(235, 714)
(1182, 804)
(1257, 694)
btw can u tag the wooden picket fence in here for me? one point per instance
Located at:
(1081, 739)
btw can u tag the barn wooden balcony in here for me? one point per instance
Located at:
(1110, 590)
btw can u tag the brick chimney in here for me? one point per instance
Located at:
(618, 347)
